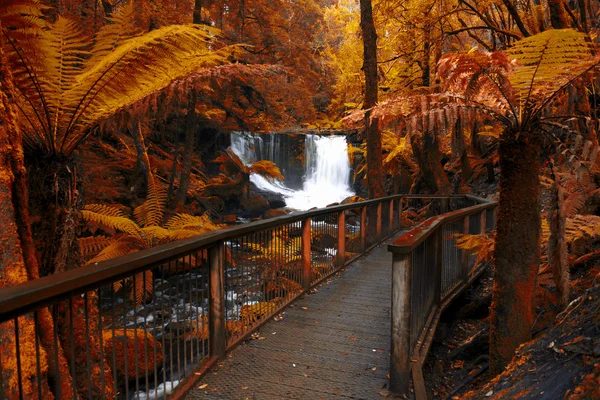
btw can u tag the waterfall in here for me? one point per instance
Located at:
(327, 168)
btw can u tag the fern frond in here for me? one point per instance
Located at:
(111, 218)
(581, 226)
(151, 212)
(547, 62)
(139, 67)
(198, 224)
(90, 246)
(116, 249)
(481, 245)
(120, 27)
(142, 287)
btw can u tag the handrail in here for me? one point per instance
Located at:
(407, 242)
(16, 300)
(209, 292)
(428, 272)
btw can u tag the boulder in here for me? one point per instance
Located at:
(125, 342)
(254, 205)
(274, 213)
(275, 200)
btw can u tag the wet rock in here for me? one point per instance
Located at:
(274, 213)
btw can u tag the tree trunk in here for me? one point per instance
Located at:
(557, 244)
(375, 176)
(517, 251)
(188, 151)
(558, 14)
(583, 15)
(198, 11)
(514, 13)
(429, 159)
(18, 263)
(108, 8)
(460, 150)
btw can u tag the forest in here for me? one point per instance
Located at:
(136, 135)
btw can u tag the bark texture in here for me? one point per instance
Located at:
(559, 18)
(557, 244)
(517, 250)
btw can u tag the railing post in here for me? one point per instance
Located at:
(391, 230)
(400, 355)
(341, 240)
(439, 264)
(378, 221)
(400, 213)
(465, 253)
(218, 335)
(444, 206)
(363, 229)
(306, 255)
(483, 218)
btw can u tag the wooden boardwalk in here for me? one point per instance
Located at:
(331, 344)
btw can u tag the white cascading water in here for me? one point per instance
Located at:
(327, 169)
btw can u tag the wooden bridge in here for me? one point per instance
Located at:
(301, 306)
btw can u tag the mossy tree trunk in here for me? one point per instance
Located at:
(517, 251)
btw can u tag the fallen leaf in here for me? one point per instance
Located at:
(491, 392)
(304, 308)
(374, 369)
(203, 386)
(244, 387)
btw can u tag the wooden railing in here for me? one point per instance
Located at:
(182, 305)
(428, 272)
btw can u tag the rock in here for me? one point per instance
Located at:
(277, 203)
(275, 200)
(125, 342)
(352, 199)
(254, 205)
(230, 219)
(274, 213)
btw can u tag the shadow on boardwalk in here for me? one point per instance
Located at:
(333, 343)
